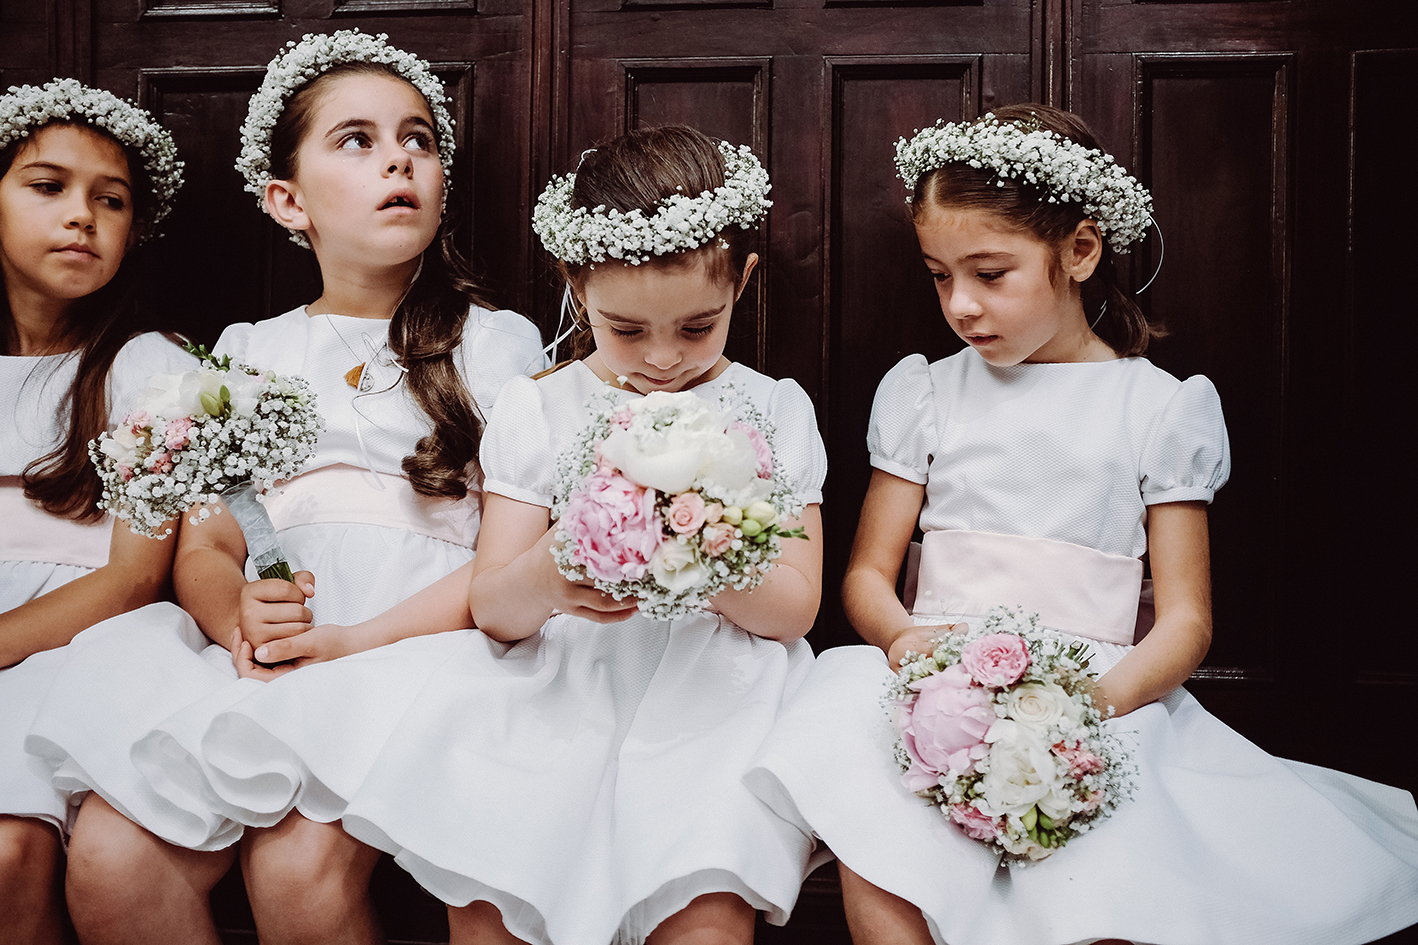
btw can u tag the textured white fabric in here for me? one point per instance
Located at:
(34, 419)
(1222, 844)
(126, 714)
(996, 446)
(587, 781)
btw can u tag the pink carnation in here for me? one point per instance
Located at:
(137, 420)
(1080, 760)
(760, 447)
(125, 472)
(945, 728)
(159, 461)
(178, 433)
(622, 418)
(613, 527)
(996, 660)
(686, 513)
(976, 823)
(717, 539)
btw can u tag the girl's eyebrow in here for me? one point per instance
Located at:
(626, 319)
(983, 254)
(364, 124)
(61, 169)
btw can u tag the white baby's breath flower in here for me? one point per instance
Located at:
(1066, 170)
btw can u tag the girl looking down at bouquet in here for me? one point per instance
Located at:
(1043, 462)
(84, 177)
(571, 771)
(347, 146)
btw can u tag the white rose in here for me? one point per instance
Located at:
(673, 567)
(1039, 706)
(1022, 769)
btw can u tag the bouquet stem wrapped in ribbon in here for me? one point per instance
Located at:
(217, 432)
(999, 730)
(669, 499)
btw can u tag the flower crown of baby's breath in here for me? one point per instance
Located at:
(680, 223)
(27, 108)
(1065, 170)
(313, 56)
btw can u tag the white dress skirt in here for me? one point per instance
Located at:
(40, 552)
(127, 710)
(587, 780)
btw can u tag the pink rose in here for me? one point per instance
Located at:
(177, 434)
(996, 660)
(159, 461)
(717, 539)
(686, 513)
(945, 728)
(1080, 760)
(760, 447)
(713, 511)
(613, 527)
(976, 823)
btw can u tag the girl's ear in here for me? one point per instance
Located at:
(748, 265)
(1082, 251)
(284, 204)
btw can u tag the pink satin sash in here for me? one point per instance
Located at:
(1073, 588)
(344, 493)
(28, 533)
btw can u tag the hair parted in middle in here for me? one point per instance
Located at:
(427, 327)
(1024, 206)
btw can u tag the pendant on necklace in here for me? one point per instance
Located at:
(353, 375)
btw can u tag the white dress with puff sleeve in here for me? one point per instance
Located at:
(128, 709)
(587, 780)
(1222, 843)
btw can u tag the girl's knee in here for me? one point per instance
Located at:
(713, 919)
(299, 860)
(29, 855)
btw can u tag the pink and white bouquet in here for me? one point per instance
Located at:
(999, 730)
(669, 499)
(195, 435)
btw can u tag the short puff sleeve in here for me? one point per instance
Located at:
(797, 444)
(497, 346)
(516, 454)
(1187, 456)
(902, 432)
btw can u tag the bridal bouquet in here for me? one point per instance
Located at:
(999, 730)
(670, 499)
(217, 432)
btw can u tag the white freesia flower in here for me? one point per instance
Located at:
(674, 567)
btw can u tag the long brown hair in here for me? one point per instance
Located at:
(63, 481)
(639, 171)
(427, 326)
(1111, 309)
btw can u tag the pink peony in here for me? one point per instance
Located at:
(178, 433)
(717, 539)
(613, 527)
(996, 660)
(945, 728)
(1080, 760)
(976, 823)
(760, 447)
(686, 513)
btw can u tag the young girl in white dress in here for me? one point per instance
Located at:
(348, 143)
(1042, 462)
(84, 177)
(571, 772)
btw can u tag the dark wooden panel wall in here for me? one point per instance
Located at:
(1277, 136)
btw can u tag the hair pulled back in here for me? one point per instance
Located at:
(63, 481)
(958, 186)
(427, 327)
